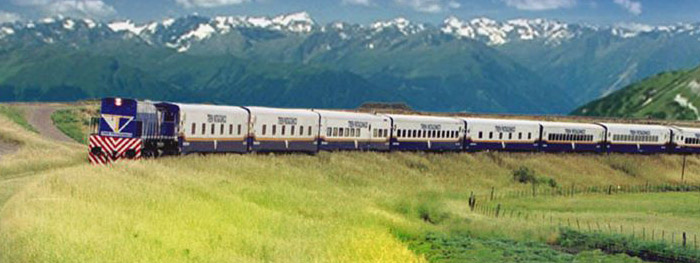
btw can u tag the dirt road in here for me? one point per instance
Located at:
(7, 148)
(39, 116)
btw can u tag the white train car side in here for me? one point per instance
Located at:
(572, 137)
(283, 130)
(686, 140)
(426, 133)
(502, 135)
(207, 128)
(634, 138)
(353, 131)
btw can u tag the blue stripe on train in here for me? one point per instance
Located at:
(568, 147)
(425, 146)
(683, 149)
(497, 146)
(282, 146)
(211, 147)
(351, 145)
(634, 148)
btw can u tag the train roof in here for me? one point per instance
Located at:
(272, 111)
(548, 124)
(350, 115)
(626, 126)
(423, 118)
(206, 107)
(686, 129)
(500, 121)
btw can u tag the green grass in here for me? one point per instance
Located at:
(438, 247)
(17, 116)
(69, 122)
(336, 207)
(333, 207)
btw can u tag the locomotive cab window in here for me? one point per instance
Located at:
(239, 129)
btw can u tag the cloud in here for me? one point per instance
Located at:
(7, 17)
(208, 3)
(631, 6)
(539, 5)
(429, 6)
(358, 2)
(73, 8)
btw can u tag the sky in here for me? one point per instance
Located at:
(597, 12)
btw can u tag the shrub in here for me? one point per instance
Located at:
(524, 175)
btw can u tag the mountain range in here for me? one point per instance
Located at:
(478, 65)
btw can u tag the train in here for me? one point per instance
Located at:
(132, 129)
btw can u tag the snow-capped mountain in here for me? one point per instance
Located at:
(181, 33)
(523, 60)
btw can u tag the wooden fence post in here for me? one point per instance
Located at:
(609, 189)
(498, 210)
(684, 241)
(492, 189)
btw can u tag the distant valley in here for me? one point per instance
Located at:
(479, 65)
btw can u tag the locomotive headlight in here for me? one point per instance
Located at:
(118, 102)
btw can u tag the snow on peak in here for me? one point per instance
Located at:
(6, 31)
(628, 30)
(499, 33)
(168, 22)
(90, 23)
(202, 32)
(403, 25)
(127, 26)
(68, 24)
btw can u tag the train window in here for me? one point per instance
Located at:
(340, 132)
(301, 130)
(490, 135)
(520, 136)
(221, 129)
(239, 129)
(352, 132)
(414, 134)
(443, 134)
(204, 128)
(194, 127)
(329, 132)
(529, 135)
(481, 135)
(264, 129)
(213, 128)
(292, 130)
(374, 133)
(309, 131)
(358, 132)
(274, 129)
(335, 131)
(500, 136)
(347, 132)
(284, 129)
(230, 129)
(510, 136)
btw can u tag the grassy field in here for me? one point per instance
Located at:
(74, 121)
(333, 207)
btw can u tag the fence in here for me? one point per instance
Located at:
(573, 190)
(685, 240)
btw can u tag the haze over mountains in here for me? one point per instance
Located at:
(479, 65)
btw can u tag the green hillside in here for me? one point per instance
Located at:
(671, 95)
